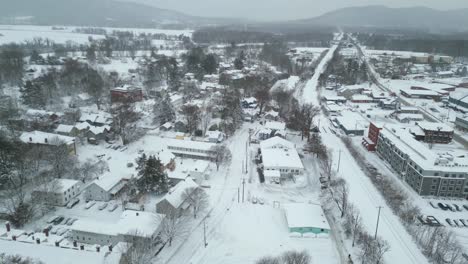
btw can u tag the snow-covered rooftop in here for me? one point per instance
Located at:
(427, 159)
(39, 137)
(176, 195)
(281, 158)
(276, 142)
(139, 223)
(275, 125)
(435, 126)
(305, 215)
(58, 255)
(183, 168)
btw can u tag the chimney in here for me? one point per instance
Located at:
(110, 248)
(57, 244)
(98, 248)
(38, 241)
(8, 227)
(82, 247)
(45, 140)
(75, 244)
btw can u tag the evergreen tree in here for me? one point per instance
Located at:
(91, 53)
(210, 65)
(35, 58)
(152, 176)
(163, 111)
(238, 64)
(32, 95)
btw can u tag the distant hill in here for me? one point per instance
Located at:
(98, 13)
(385, 17)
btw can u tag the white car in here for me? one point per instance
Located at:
(102, 206)
(112, 207)
(89, 204)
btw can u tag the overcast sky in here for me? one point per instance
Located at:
(286, 9)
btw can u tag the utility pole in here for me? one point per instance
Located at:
(204, 232)
(238, 195)
(339, 160)
(378, 219)
(243, 189)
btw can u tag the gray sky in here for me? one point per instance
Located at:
(286, 9)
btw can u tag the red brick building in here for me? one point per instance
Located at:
(370, 141)
(126, 93)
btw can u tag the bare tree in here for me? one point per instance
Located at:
(44, 194)
(192, 117)
(140, 250)
(295, 257)
(381, 247)
(268, 260)
(124, 117)
(197, 198)
(206, 118)
(263, 97)
(173, 226)
(59, 157)
(222, 154)
(340, 192)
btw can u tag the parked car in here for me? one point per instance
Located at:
(464, 223)
(433, 205)
(58, 220)
(72, 221)
(465, 206)
(66, 221)
(62, 231)
(54, 230)
(261, 201)
(48, 227)
(73, 203)
(52, 219)
(254, 200)
(449, 222)
(102, 206)
(457, 207)
(442, 206)
(456, 223)
(112, 208)
(89, 204)
(448, 206)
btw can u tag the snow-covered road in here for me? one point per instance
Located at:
(309, 93)
(225, 184)
(367, 198)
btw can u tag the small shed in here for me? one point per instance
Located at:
(305, 218)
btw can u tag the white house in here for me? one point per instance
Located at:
(58, 193)
(44, 139)
(191, 149)
(175, 200)
(198, 170)
(131, 224)
(105, 188)
(280, 155)
(214, 136)
(305, 218)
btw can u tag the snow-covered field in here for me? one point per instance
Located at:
(21, 33)
(9, 35)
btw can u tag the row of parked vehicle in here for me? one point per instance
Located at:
(110, 207)
(457, 222)
(449, 207)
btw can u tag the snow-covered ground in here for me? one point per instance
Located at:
(309, 94)
(244, 232)
(367, 198)
(21, 33)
